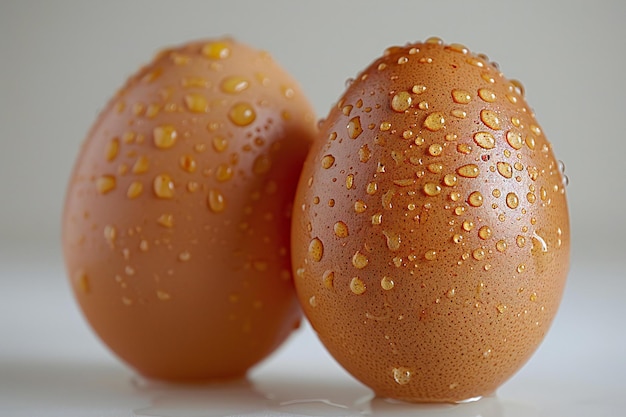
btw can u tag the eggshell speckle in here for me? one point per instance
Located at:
(431, 226)
(176, 223)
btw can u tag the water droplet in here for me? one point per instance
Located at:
(458, 113)
(354, 127)
(501, 246)
(435, 121)
(328, 161)
(364, 153)
(484, 232)
(234, 84)
(450, 180)
(242, 114)
(479, 254)
(430, 255)
(520, 241)
(347, 109)
(387, 283)
(371, 188)
(163, 295)
(401, 101)
(196, 103)
(216, 201)
(435, 149)
(386, 199)
(377, 218)
(490, 119)
(223, 172)
(329, 279)
(359, 206)
(349, 181)
(262, 164)
(359, 260)
(485, 140)
(512, 201)
(112, 149)
(164, 136)
(402, 375)
(434, 40)
(432, 189)
(166, 220)
(216, 50)
(105, 184)
(504, 168)
(514, 139)
(468, 171)
(451, 293)
(487, 95)
(385, 126)
(393, 240)
(187, 163)
(341, 229)
(418, 89)
(316, 249)
(220, 143)
(163, 186)
(134, 189)
(435, 167)
(313, 301)
(423, 105)
(184, 256)
(461, 96)
(357, 286)
(533, 297)
(475, 199)
(82, 281)
(468, 225)
(457, 238)
(521, 268)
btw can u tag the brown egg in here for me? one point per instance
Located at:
(176, 224)
(430, 239)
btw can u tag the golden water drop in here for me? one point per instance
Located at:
(387, 283)
(196, 103)
(134, 189)
(479, 254)
(328, 161)
(242, 114)
(341, 229)
(349, 181)
(487, 95)
(430, 255)
(520, 241)
(234, 84)
(371, 188)
(401, 101)
(501, 246)
(450, 180)
(316, 249)
(112, 149)
(377, 218)
(435, 121)
(496, 193)
(220, 143)
(485, 140)
(82, 281)
(386, 199)
(359, 260)
(216, 201)
(359, 206)
(468, 171)
(475, 199)
(461, 96)
(435, 149)
(484, 232)
(393, 240)
(504, 168)
(328, 277)
(163, 186)
(490, 119)
(401, 375)
(187, 163)
(110, 233)
(164, 136)
(432, 189)
(166, 220)
(514, 139)
(223, 172)
(105, 184)
(521, 268)
(511, 200)
(262, 164)
(468, 225)
(458, 113)
(364, 153)
(435, 167)
(357, 286)
(216, 50)
(354, 127)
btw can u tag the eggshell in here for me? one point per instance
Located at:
(176, 223)
(430, 237)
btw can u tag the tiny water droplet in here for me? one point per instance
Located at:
(461, 96)
(505, 169)
(341, 229)
(485, 140)
(487, 95)
(430, 255)
(196, 103)
(360, 206)
(234, 84)
(328, 161)
(401, 101)
(401, 375)
(359, 260)
(475, 199)
(468, 171)
(435, 121)
(329, 279)
(105, 184)
(431, 189)
(357, 286)
(165, 136)
(490, 119)
(166, 220)
(387, 283)
(134, 189)
(354, 127)
(484, 232)
(216, 50)
(512, 201)
(393, 240)
(163, 186)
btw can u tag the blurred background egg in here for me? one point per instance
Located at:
(176, 224)
(431, 230)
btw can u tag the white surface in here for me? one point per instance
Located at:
(52, 365)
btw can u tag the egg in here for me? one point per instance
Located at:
(177, 216)
(430, 237)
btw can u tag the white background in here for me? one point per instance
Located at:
(60, 61)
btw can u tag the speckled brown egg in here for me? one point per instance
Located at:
(430, 237)
(176, 223)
